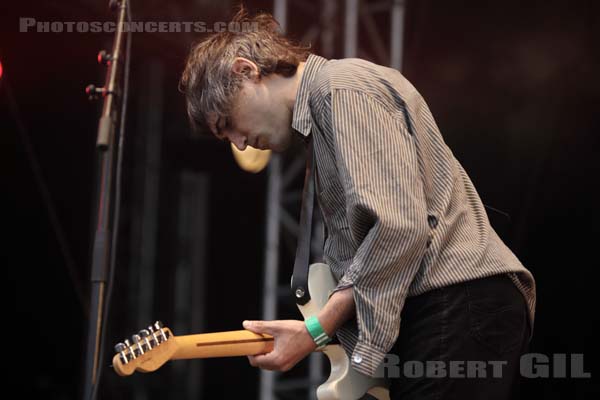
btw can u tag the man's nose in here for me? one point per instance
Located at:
(238, 140)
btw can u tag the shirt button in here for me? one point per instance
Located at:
(432, 220)
(357, 358)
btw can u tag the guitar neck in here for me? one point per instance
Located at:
(222, 344)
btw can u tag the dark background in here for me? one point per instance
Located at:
(513, 86)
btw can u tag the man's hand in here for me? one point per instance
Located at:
(292, 343)
(292, 340)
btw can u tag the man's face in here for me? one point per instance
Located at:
(258, 119)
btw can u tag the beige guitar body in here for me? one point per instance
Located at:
(344, 382)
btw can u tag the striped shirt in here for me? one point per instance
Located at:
(402, 216)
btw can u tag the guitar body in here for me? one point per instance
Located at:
(344, 383)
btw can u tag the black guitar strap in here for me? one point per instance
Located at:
(302, 262)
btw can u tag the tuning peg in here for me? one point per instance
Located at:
(154, 335)
(159, 325)
(128, 344)
(144, 333)
(136, 339)
(120, 348)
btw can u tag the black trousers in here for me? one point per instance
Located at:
(461, 342)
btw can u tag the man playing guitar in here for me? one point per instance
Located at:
(421, 274)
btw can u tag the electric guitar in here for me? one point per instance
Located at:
(151, 348)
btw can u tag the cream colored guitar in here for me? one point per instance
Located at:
(151, 348)
(344, 383)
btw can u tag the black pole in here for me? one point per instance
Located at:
(101, 256)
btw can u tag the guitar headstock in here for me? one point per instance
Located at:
(148, 350)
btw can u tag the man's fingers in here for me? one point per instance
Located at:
(260, 359)
(260, 326)
(264, 361)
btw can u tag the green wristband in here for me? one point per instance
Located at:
(316, 331)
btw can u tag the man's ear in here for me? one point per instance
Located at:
(245, 67)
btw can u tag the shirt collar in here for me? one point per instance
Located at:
(301, 120)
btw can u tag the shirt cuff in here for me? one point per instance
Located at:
(366, 359)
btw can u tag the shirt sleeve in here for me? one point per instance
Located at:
(387, 214)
